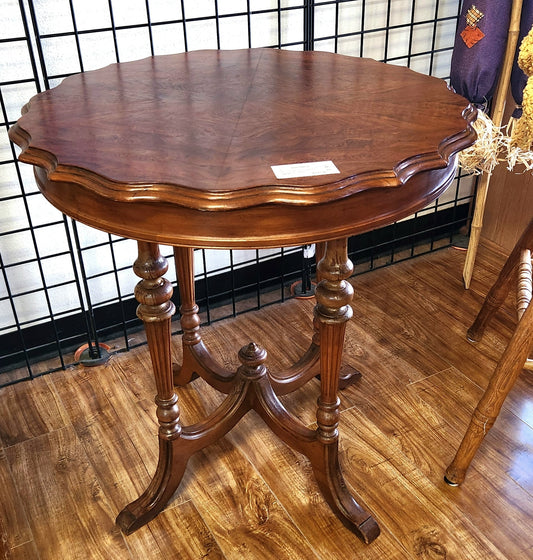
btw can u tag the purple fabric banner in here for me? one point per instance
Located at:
(479, 48)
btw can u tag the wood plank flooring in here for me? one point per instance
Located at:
(77, 445)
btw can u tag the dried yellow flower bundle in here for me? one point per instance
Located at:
(521, 130)
(484, 154)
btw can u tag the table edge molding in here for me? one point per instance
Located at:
(277, 193)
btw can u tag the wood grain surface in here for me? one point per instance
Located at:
(179, 149)
(203, 128)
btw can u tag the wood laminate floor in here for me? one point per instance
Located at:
(77, 445)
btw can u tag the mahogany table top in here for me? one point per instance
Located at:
(134, 148)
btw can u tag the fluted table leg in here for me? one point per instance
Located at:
(348, 374)
(332, 311)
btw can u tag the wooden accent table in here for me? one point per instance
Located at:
(179, 150)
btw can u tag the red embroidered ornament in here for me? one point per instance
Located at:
(472, 35)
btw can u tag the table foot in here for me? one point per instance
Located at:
(331, 482)
(198, 362)
(174, 455)
(298, 374)
(183, 376)
(168, 476)
(321, 452)
(348, 375)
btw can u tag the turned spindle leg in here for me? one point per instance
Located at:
(196, 358)
(190, 321)
(348, 374)
(333, 295)
(153, 293)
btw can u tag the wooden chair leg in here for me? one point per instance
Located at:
(509, 367)
(501, 287)
(525, 288)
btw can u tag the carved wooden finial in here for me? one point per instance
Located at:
(252, 358)
(252, 355)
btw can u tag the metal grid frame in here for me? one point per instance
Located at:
(46, 315)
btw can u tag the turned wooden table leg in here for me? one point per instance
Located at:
(153, 293)
(348, 374)
(332, 311)
(190, 321)
(197, 361)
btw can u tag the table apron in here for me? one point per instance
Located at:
(264, 226)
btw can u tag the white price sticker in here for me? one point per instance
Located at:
(308, 169)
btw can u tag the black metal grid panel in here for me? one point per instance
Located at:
(62, 284)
